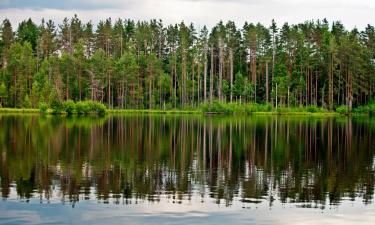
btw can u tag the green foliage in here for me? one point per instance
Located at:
(146, 65)
(235, 108)
(43, 107)
(55, 103)
(3, 94)
(315, 109)
(343, 109)
(371, 108)
(28, 32)
(217, 107)
(362, 109)
(27, 102)
(69, 107)
(90, 107)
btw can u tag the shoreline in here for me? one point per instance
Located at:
(185, 112)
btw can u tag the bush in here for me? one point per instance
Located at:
(217, 107)
(100, 108)
(69, 107)
(343, 109)
(232, 108)
(27, 102)
(371, 109)
(314, 109)
(88, 107)
(57, 107)
(361, 109)
(55, 103)
(43, 107)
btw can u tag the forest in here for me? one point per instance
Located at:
(127, 64)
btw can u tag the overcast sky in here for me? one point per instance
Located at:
(353, 13)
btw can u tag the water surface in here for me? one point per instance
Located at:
(169, 169)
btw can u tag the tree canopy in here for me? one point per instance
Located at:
(145, 64)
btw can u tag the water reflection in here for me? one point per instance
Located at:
(132, 159)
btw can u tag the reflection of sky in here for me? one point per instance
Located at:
(194, 211)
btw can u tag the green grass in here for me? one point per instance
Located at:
(293, 113)
(152, 111)
(16, 110)
(217, 107)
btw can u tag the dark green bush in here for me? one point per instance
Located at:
(371, 108)
(361, 109)
(314, 109)
(57, 107)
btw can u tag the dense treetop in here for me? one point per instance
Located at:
(144, 64)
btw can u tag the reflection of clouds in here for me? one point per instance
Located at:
(20, 216)
(165, 213)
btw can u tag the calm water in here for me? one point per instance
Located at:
(187, 170)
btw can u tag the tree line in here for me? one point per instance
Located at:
(145, 64)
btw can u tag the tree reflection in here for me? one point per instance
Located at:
(128, 159)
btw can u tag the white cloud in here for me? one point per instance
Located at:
(201, 12)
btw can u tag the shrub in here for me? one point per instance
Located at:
(343, 109)
(314, 109)
(82, 108)
(69, 107)
(87, 107)
(27, 102)
(371, 109)
(361, 109)
(55, 103)
(217, 107)
(100, 108)
(43, 107)
(252, 107)
(57, 107)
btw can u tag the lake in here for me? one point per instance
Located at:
(187, 169)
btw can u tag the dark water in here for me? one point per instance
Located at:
(187, 170)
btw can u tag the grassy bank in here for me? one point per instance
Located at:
(157, 111)
(152, 111)
(217, 107)
(13, 110)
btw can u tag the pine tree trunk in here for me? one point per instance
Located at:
(330, 84)
(220, 70)
(231, 74)
(205, 75)
(199, 82)
(267, 87)
(212, 75)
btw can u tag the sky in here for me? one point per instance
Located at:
(352, 13)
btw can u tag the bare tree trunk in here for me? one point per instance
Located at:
(273, 62)
(231, 73)
(212, 75)
(220, 70)
(205, 74)
(199, 82)
(109, 89)
(350, 91)
(183, 67)
(193, 85)
(175, 82)
(267, 87)
(330, 83)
